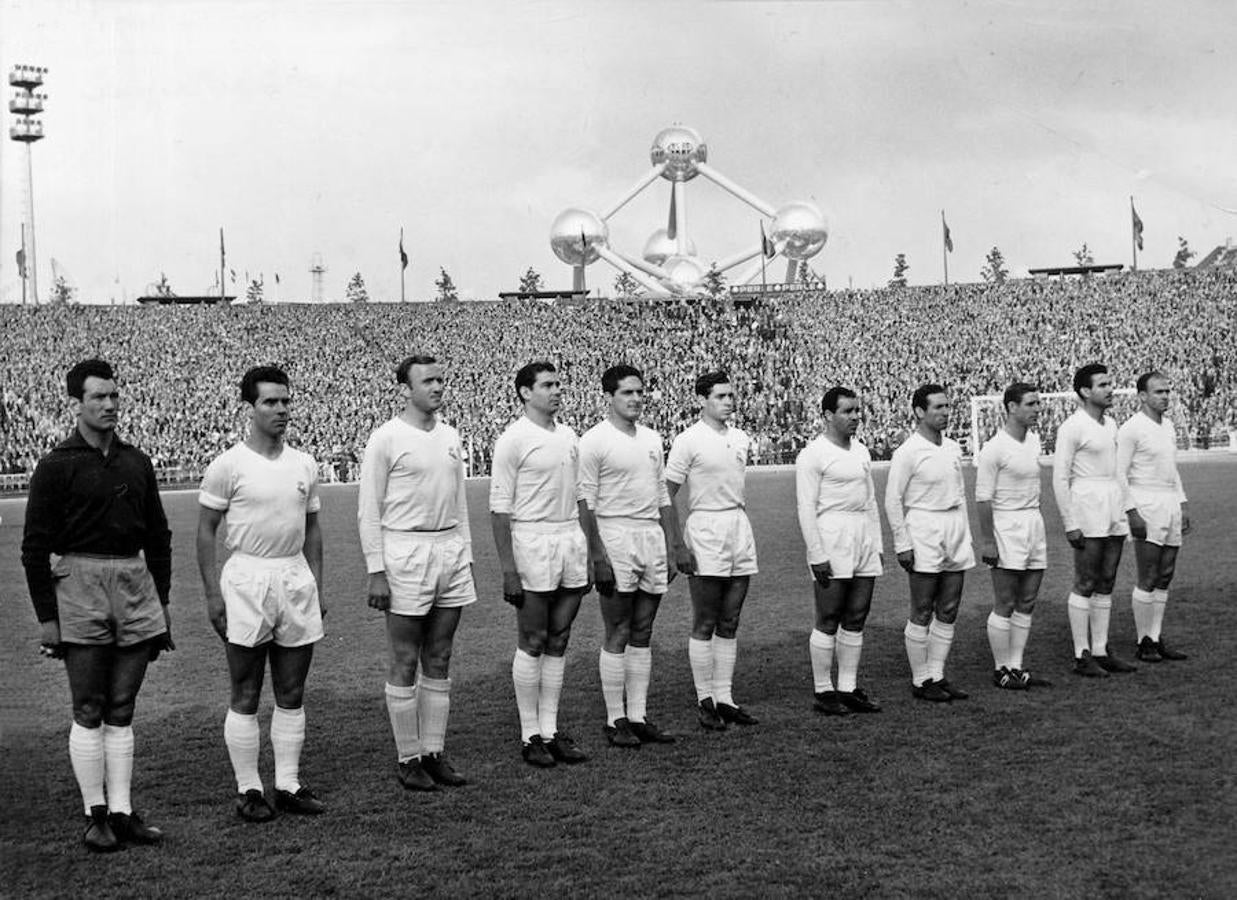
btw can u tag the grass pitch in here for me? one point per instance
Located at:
(1116, 788)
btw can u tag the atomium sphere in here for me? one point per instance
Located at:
(799, 230)
(661, 246)
(685, 271)
(575, 236)
(680, 148)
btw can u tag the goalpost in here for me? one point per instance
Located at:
(988, 414)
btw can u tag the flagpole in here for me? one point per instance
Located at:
(1133, 236)
(944, 249)
(22, 271)
(223, 284)
(402, 264)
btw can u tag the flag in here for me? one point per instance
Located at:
(233, 271)
(276, 278)
(1137, 225)
(766, 245)
(403, 257)
(221, 251)
(949, 241)
(21, 263)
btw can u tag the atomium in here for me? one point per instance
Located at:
(669, 263)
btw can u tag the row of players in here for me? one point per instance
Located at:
(568, 515)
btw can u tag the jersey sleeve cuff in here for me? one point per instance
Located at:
(210, 501)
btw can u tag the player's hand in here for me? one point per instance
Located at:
(1138, 525)
(217, 612)
(685, 560)
(378, 591)
(906, 559)
(822, 573)
(1075, 538)
(603, 576)
(49, 640)
(988, 553)
(513, 589)
(164, 641)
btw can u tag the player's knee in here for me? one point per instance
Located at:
(88, 711)
(854, 620)
(1165, 576)
(245, 698)
(727, 627)
(1024, 605)
(1104, 585)
(120, 713)
(534, 641)
(1086, 585)
(556, 642)
(289, 696)
(436, 661)
(640, 635)
(947, 611)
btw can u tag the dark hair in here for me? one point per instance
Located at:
(75, 381)
(919, 400)
(417, 359)
(1145, 379)
(1016, 391)
(527, 376)
(829, 402)
(709, 380)
(1082, 378)
(611, 377)
(258, 374)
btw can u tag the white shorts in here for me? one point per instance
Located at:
(853, 547)
(941, 540)
(722, 542)
(270, 599)
(1161, 510)
(427, 569)
(637, 552)
(1097, 508)
(1021, 543)
(550, 555)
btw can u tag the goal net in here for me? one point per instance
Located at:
(988, 414)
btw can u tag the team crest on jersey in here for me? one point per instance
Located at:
(301, 489)
(453, 454)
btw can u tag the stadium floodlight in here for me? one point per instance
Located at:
(26, 106)
(671, 265)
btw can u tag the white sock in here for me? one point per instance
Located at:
(402, 710)
(1079, 611)
(725, 653)
(998, 639)
(612, 667)
(433, 706)
(700, 655)
(820, 648)
(916, 640)
(552, 669)
(639, 674)
(1019, 631)
(526, 676)
(287, 739)
(243, 737)
(849, 647)
(1159, 604)
(1141, 605)
(1101, 610)
(86, 753)
(940, 639)
(118, 764)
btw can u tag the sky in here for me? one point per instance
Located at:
(325, 126)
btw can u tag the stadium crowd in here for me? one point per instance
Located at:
(179, 366)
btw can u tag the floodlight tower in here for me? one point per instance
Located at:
(317, 268)
(26, 106)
